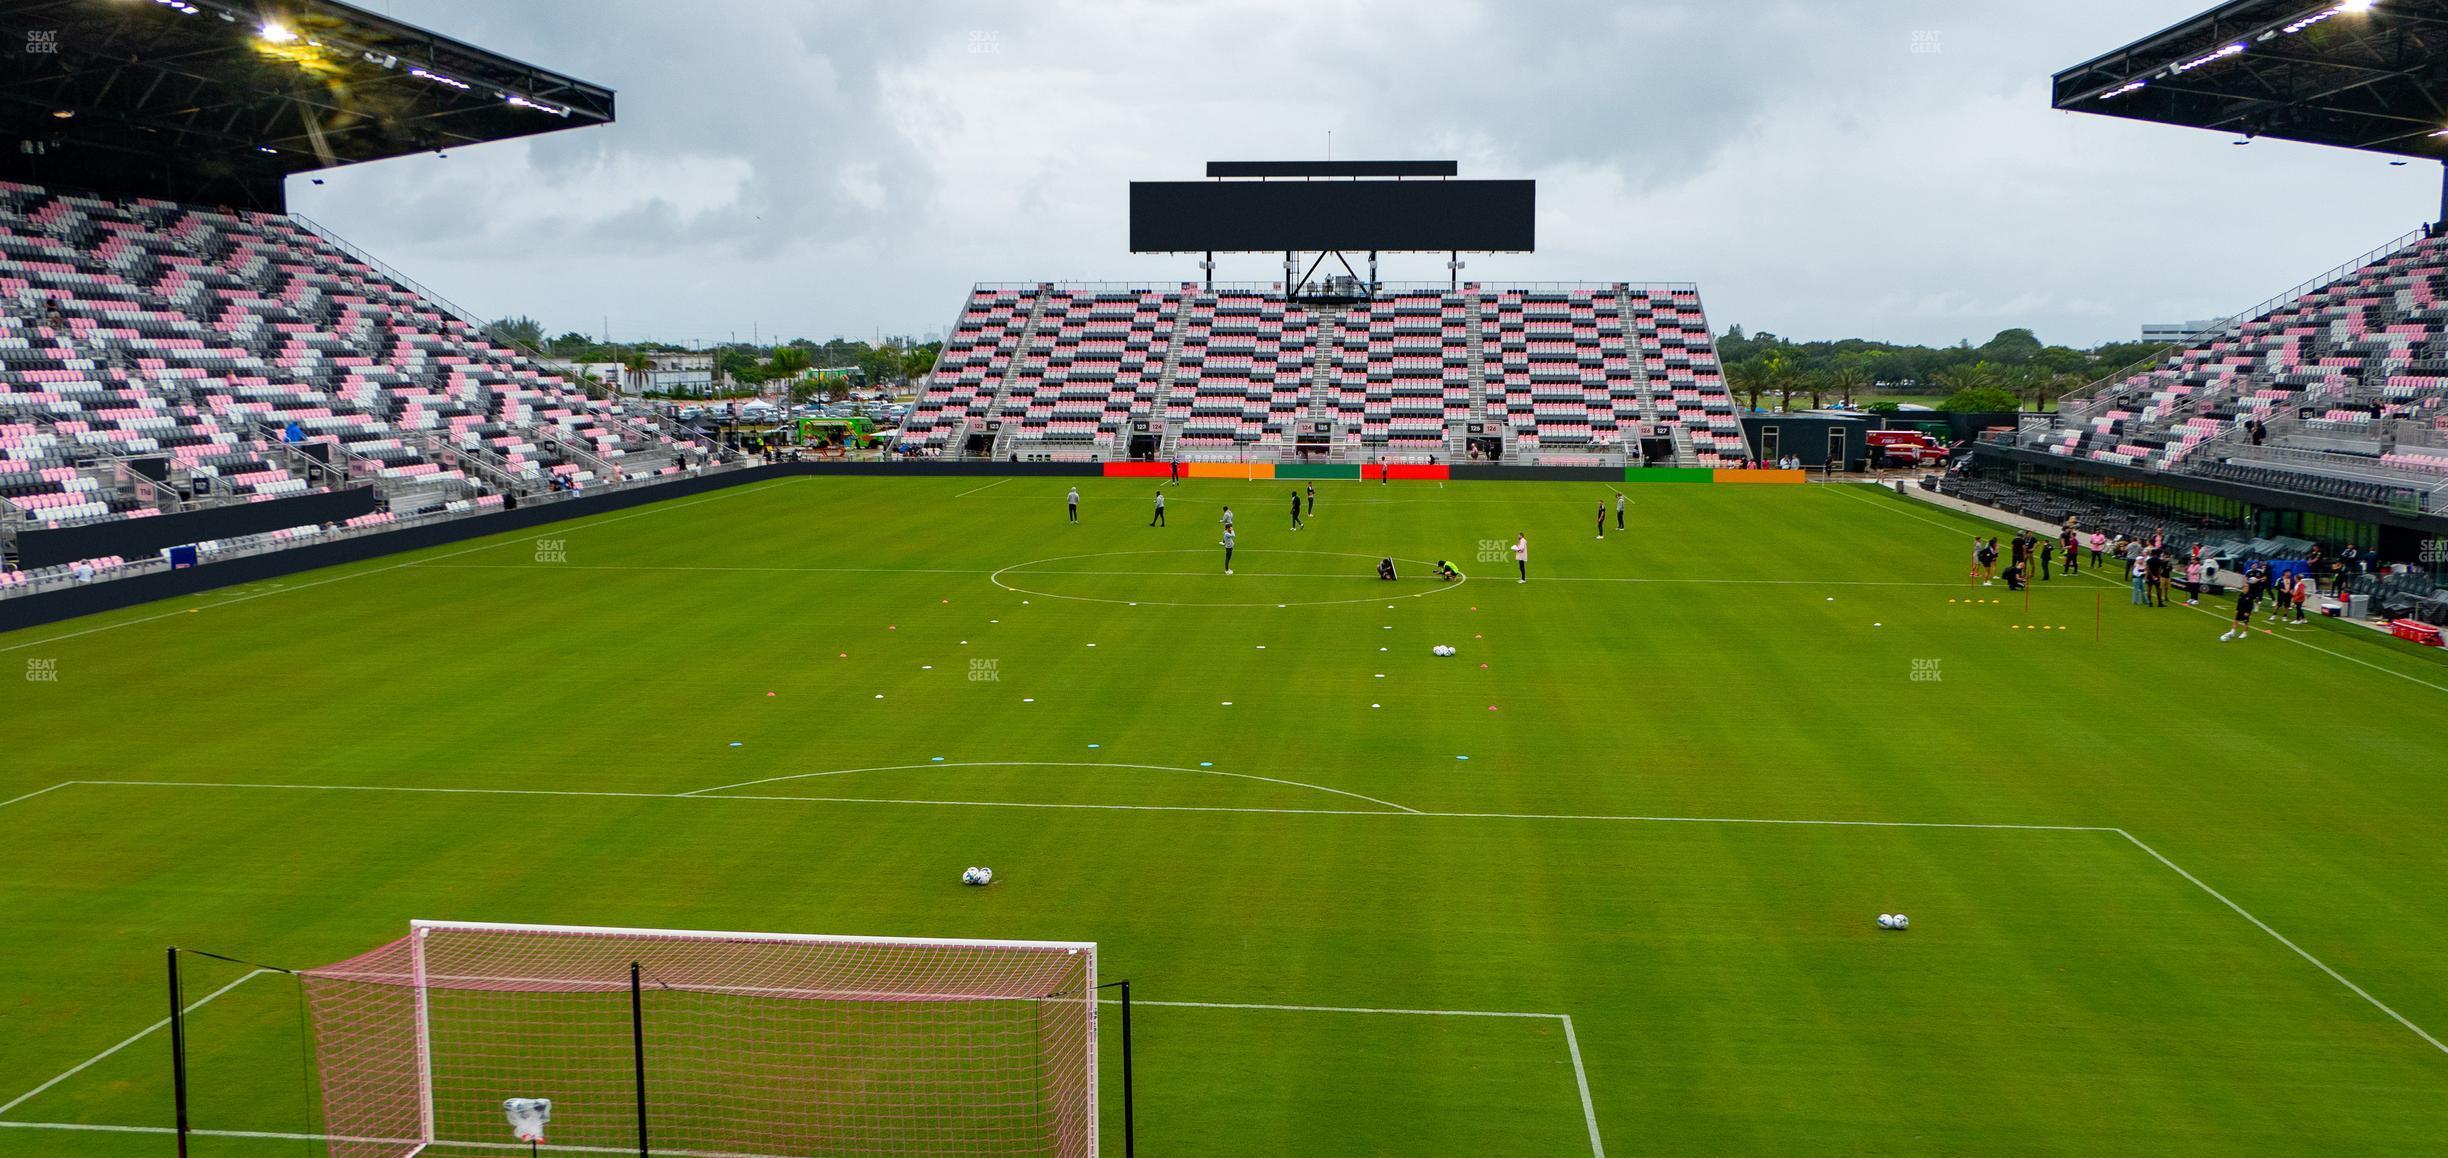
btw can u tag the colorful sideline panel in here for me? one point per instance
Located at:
(1255, 471)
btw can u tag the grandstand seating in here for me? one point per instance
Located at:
(2337, 380)
(1239, 371)
(155, 353)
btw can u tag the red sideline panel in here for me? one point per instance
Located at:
(1142, 470)
(1404, 470)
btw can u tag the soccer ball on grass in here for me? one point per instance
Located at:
(977, 875)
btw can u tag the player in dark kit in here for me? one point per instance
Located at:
(2243, 613)
(1296, 520)
(1313, 498)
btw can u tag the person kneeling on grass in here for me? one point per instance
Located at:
(1385, 568)
(1446, 571)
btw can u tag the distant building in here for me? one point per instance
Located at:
(2169, 333)
(682, 374)
(612, 374)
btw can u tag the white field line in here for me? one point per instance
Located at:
(1052, 764)
(35, 793)
(701, 794)
(987, 487)
(2120, 585)
(139, 1035)
(575, 525)
(422, 1147)
(1587, 817)
(2317, 963)
(1572, 1041)
(1589, 1110)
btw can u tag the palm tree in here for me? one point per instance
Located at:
(1750, 377)
(1781, 376)
(1964, 376)
(1844, 379)
(2058, 386)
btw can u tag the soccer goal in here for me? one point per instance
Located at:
(738, 1045)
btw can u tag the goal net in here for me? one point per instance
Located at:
(741, 1045)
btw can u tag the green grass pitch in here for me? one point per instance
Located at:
(2166, 892)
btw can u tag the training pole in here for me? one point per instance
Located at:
(637, 1051)
(1130, 1144)
(178, 1053)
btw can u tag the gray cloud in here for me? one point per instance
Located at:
(1887, 168)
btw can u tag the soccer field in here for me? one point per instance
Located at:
(1604, 880)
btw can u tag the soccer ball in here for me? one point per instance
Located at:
(1886, 920)
(976, 875)
(1902, 921)
(1442, 649)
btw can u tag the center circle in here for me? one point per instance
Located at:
(1012, 577)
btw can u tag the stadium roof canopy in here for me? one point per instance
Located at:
(197, 98)
(2357, 74)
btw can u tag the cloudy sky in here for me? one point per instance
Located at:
(1822, 168)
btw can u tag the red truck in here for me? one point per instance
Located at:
(1906, 448)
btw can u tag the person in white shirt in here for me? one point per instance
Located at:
(1521, 555)
(1158, 520)
(1228, 549)
(1074, 502)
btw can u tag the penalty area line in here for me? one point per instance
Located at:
(1572, 1040)
(702, 794)
(138, 1036)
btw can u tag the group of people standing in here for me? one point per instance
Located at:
(2153, 567)
(2262, 584)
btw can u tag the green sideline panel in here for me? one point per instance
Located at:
(1669, 474)
(1317, 470)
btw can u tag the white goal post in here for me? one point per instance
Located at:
(737, 1045)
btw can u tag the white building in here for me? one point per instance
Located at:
(2168, 333)
(681, 374)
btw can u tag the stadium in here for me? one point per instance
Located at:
(433, 738)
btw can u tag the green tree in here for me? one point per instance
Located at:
(1846, 377)
(1981, 400)
(517, 331)
(2011, 346)
(1964, 376)
(1748, 377)
(917, 360)
(1784, 375)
